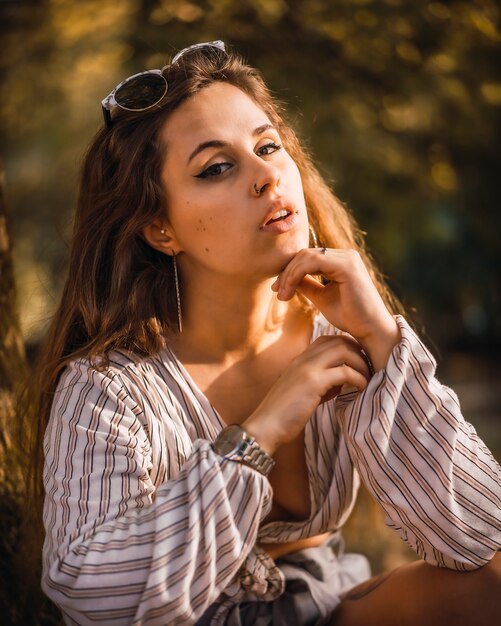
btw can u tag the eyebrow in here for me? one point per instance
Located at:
(217, 143)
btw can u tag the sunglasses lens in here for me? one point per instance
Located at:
(141, 92)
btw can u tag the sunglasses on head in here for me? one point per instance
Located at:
(142, 91)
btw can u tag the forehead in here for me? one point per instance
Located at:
(218, 111)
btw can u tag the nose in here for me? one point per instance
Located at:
(267, 178)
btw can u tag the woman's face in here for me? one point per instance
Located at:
(220, 146)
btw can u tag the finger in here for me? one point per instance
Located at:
(332, 393)
(303, 265)
(308, 287)
(351, 358)
(335, 352)
(284, 276)
(311, 289)
(344, 375)
(336, 265)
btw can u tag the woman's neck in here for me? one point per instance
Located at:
(231, 320)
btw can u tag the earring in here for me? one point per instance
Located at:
(313, 236)
(178, 295)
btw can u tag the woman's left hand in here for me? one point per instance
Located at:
(350, 301)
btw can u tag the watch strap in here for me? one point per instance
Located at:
(243, 448)
(254, 456)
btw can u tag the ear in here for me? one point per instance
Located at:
(160, 236)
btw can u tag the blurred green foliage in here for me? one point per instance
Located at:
(399, 101)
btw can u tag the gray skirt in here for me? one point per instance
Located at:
(315, 578)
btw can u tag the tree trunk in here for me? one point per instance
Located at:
(12, 358)
(21, 601)
(12, 375)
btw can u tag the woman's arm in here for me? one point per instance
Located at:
(120, 550)
(438, 484)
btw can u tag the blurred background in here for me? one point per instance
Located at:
(399, 101)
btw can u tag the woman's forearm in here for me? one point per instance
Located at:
(438, 484)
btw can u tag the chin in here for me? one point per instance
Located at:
(289, 251)
(298, 241)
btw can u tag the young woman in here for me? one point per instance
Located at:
(224, 364)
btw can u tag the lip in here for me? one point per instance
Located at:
(277, 205)
(283, 225)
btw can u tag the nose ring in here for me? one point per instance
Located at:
(257, 191)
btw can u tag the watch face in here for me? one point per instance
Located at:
(229, 440)
(235, 444)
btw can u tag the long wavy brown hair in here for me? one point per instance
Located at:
(119, 293)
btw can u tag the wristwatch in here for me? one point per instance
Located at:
(235, 444)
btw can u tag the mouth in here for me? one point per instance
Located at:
(278, 212)
(278, 216)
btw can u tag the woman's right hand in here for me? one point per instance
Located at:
(316, 375)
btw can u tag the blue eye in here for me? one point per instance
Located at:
(269, 148)
(216, 169)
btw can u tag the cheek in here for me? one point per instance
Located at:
(293, 173)
(206, 232)
(190, 217)
(200, 226)
(200, 230)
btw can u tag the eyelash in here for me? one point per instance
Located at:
(214, 170)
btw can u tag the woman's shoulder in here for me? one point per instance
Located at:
(114, 364)
(121, 367)
(125, 382)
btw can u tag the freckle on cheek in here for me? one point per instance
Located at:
(206, 249)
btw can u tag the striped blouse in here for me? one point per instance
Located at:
(145, 524)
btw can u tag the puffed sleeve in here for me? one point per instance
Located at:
(120, 549)
(438, 484)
